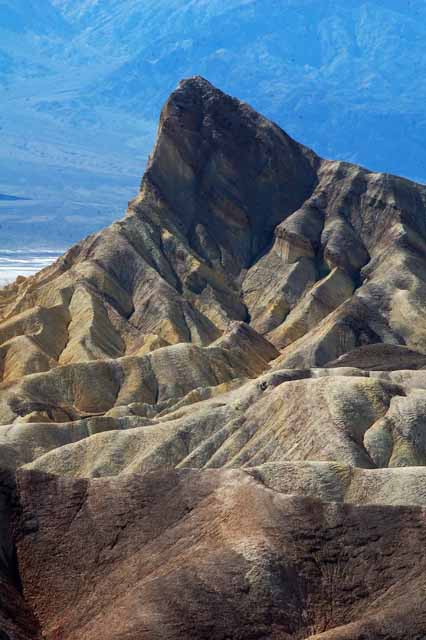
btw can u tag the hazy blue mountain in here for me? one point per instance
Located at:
(83, 81)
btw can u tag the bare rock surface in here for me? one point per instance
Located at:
(215, 554)
(213, 412)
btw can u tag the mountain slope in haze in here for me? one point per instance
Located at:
(212, 412)
(89, 81)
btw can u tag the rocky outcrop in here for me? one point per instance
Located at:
(231, 381)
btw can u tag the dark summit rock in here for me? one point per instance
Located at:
(219, 164)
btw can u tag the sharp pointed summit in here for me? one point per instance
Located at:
(229, 173)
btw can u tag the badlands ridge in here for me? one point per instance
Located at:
(214, 411)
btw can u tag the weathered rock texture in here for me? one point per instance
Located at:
(216, 407)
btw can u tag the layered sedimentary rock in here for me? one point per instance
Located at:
(213, 413)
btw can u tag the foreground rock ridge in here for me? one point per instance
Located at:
(213, 412)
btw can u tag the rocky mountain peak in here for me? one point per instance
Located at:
(229, 174)
(235, 221)
(232, 379)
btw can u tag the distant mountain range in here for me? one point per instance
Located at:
(83, 82)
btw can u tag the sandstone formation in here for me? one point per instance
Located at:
(213, 413)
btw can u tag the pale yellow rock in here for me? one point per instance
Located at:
(151, 342)
(325, 296)
(91, 335)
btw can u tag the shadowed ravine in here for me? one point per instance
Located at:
(213, 411)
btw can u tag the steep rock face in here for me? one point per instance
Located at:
(252, 329)
(17, 620)
(235, 175)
